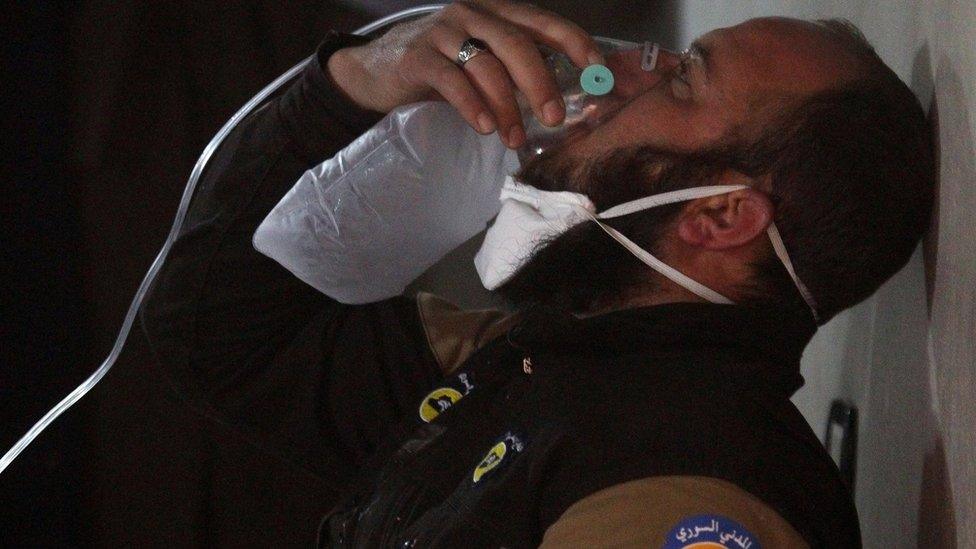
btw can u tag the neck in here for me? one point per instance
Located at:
(660, 292)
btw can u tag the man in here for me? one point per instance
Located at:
(616, 408)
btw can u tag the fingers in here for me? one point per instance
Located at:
(517, 51)
(484, 90)
(447, 79)
(490, 79)
(550, 29)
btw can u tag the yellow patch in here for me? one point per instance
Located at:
(490, 461)
(437, 401)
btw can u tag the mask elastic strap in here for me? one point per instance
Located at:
(780, 248)
(675, 275)
(678, 277)
(673, 197)
(662, 199)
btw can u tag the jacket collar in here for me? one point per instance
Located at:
(762, 335)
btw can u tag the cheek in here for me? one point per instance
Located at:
(629, 79)
(653, 119)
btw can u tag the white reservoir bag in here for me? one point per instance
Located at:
(362, 225)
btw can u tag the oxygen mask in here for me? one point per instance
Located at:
(592, 94)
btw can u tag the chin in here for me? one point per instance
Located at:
(575, 272)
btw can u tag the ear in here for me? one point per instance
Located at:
(726, 221)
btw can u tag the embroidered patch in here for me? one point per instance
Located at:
(509, 445)
(490, 461)
(710, 532)
(442, 398)
(437, 401)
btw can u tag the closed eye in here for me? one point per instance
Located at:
(680, 86)
(681, 71)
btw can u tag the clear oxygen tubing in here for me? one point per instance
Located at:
(80, 391)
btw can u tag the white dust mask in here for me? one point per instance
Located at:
(529, 216)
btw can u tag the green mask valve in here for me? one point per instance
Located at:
(596, 80)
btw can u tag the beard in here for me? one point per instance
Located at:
(584, 269)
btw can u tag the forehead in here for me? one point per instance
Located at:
(777, 55)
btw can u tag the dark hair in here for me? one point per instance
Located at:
(852, 176)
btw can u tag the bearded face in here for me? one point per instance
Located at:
(584, 269)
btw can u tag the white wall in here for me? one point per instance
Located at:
(906, 356)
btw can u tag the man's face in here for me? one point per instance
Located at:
(721, 93)
(725, 87)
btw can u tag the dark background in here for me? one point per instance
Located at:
(108, 106)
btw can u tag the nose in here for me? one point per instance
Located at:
(630, 79)
(667, 60)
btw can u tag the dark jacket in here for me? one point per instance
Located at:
(446, 427)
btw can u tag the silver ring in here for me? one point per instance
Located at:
(470, 49)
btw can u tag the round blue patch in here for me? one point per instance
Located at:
(710, 532)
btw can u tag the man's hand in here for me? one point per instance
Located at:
(415, 61)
